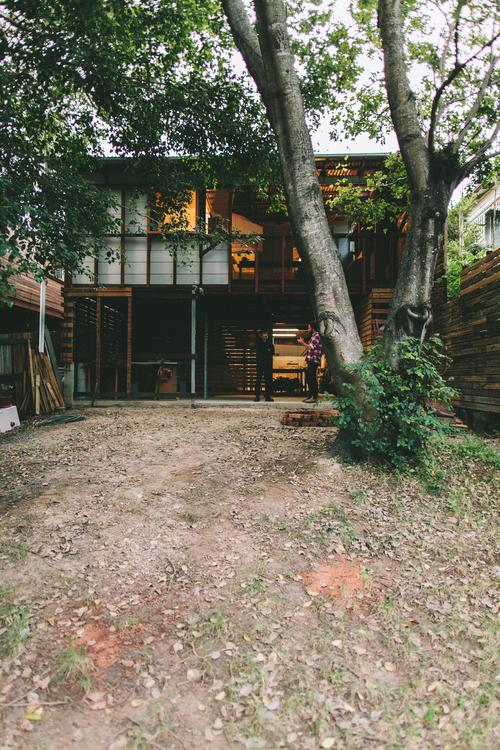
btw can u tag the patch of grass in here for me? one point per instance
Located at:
(14, 627)
(15, 552)
(75, 667)
(187, 514)
(216, 624)
(254, 585)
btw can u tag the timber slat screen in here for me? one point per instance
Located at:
(231, 358)
(371, 315)
(470, 329)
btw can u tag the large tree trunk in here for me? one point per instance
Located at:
(270, 62)
(432, 178)
(410, 311)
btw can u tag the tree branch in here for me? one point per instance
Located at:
(459, 67)
(247, 42)
(477, 103)
(401, 99)
(466, 169)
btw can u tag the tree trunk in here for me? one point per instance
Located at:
(269, 60)
(432, 178)
(410, 311)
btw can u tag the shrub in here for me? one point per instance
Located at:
(391, 419)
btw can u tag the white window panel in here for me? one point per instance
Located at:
(136, 254)
(81, 278)
(162, 264)
(188, 268)
(215, 265)
(110, 273)
(136, 213)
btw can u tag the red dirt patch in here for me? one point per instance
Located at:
(339, 581)
(103, 647)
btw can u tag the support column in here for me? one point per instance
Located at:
(67, 352)
(193, 349)
(205, 356)
(129, 348)
(97, 388)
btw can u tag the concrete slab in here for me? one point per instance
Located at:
(9, 418)
(222, 401)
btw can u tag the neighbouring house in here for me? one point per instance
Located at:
(24, 314)
(196, 316)
(486, 215)
(23, 320)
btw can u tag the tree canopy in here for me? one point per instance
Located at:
(146, 80)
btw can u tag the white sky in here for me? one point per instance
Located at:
(323, 144)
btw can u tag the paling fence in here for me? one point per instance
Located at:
(470, 329)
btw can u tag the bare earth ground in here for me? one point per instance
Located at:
(209, 579)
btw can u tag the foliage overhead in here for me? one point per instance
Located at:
(149, 79)
(452, 62)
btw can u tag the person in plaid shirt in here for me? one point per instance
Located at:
(313, 359)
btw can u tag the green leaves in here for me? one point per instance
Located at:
(146, 80)
(399, 401)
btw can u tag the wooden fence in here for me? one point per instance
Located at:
(470, 329)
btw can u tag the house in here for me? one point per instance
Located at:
(486, 215)
(197, 314)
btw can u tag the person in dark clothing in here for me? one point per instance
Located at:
(264, 349)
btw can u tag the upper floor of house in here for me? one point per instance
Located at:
(486, 214)
(150, 257)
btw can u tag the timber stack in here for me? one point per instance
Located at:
(35, 384)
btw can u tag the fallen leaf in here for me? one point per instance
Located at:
(137, 702)
(433, 686)
(389, 667)
(220, 696)
(328, 742)
(177, 647)
(359, 650)
(215, 655)
(95, 697)
(452, 730)
(471, 684)
(337, 643)
(32, 717)
(193, 675)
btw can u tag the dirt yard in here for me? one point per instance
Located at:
(206, 579)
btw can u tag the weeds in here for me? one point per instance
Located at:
(75, 667)
(187, 514)
(14, 626)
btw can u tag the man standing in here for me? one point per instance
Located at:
(313, 359)
(265, 352)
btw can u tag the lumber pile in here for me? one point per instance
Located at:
(42, 394)
(35, 384)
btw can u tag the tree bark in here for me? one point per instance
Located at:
(269, 59)
(432, 178)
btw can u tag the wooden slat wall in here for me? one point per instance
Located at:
(232, 362)
(470, 329)
(371, 315)
(363, 313)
